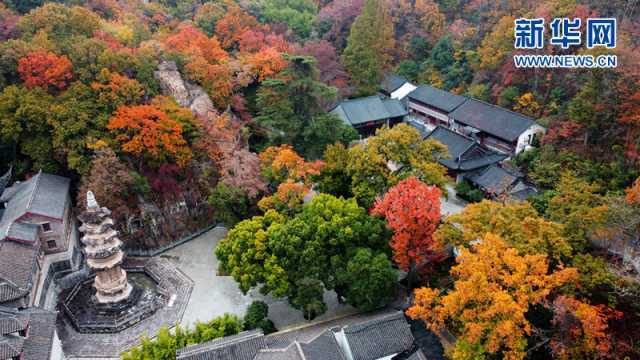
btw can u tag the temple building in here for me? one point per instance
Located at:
(38, 237)
(104, 255)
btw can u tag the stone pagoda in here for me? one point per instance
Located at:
(104, 255)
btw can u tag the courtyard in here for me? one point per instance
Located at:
(215, 295)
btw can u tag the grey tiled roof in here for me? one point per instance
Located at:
(394, 108)
(42, 326)
(37, 344)
(43, 194)
(383, 332)
(493, 179)
(464, 153)
(378, 338)
(11, 322)
(324, 347)
(243, 346)
(371, 108)
(418, 355)
(292, 352)
(494, 120)
(22, 231)
(10, 292)
(17, 265)
(392, 82)
(10, 347)
(437, 98)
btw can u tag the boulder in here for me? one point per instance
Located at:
(171, 82)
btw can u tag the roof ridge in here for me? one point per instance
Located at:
(385, 319)
(222, 341)
(502, 108)
(35, 189)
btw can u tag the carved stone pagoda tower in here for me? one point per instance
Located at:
(104, 255)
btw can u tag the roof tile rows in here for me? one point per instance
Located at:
(371, 108)
(43, 194)
(378, 338)
(437, 98)
(489, 118)
(492, 119)
(34, 343)
(382, 335)
(465, 153)
(392, 82)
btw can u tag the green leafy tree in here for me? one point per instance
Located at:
(308, 298)
(257, 316)
(60, 22)
(164, 346)
(23, 6)
(369, 279)
(508, 97)
(230, 204)
(370, 42)
(409, 69)
(324, 130)
(299, 257)
(23, 123)
(577, 204)
(390, 156)
(334, 178)
(299, 15)
(290, 107)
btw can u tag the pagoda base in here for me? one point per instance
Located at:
(120, 296)
(88, 313)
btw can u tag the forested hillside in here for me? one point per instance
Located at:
(179, 114)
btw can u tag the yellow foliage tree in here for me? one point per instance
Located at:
(517, 223)
(497, 44)
(494, 287)
(527, 104)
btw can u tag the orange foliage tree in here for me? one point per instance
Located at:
(633, 193)
(45, 69)
(114, 90)
(194, 42)
(146, 131)
(493, 290)
(215, 78)
(412, 210)
(233, 25)
(282, 163)
(264, 64)
(581, 330)
(287, 199)
(629, 116)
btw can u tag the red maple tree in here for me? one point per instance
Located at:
(412, 211)
(45, 69)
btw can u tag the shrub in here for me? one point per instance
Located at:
(469, 193)
(257, 317)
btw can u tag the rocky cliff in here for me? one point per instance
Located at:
(186, 94)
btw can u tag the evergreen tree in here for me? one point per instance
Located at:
(292, 108)
(368, 51)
